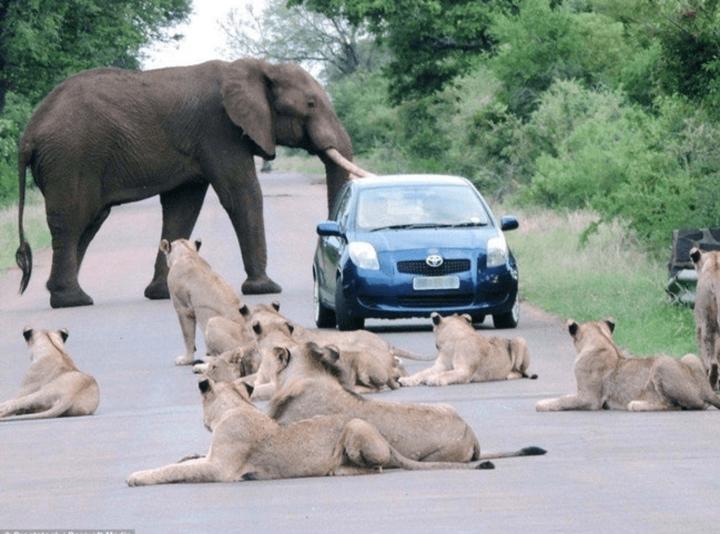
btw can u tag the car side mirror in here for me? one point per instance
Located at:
(329, 228)
(508, 222)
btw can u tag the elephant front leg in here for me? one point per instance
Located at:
(242, 199)
(180, 208)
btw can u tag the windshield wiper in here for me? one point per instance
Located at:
(467, 224)
(410, 226)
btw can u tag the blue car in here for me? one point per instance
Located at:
(408, 245)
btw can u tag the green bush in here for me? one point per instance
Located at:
(12, 122)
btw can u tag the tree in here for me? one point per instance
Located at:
(44, 41)
(432, 41)
(297, 34)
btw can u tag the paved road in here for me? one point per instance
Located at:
(604, 471)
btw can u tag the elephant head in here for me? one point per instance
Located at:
(284, 105)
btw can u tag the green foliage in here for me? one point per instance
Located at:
(540, 44)
(44, 41)
(12, 122)
(432, 41)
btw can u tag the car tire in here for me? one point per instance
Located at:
(478, 318)
(324, 316)
(509, 319)
(344, 318)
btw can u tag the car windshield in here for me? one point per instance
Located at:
(422, 206)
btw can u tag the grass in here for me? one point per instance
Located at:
(607, 276)
(36, 230)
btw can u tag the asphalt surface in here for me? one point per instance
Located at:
(606, 471)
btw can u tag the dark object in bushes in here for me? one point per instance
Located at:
(681, 269)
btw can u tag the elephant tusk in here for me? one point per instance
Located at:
(343, 162)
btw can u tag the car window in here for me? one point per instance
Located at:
(442, 205)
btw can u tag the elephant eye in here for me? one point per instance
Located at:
(311, 103)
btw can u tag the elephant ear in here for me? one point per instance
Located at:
(245, 94)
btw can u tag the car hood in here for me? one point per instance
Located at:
(427, 238)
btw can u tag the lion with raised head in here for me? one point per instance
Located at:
(197, 292)
(707, 308)
(249, 445)
(53, 385)
(608, 379)
(308, 385)
(465, 355)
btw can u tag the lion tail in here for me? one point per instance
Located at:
(401, 353)
(525, 451)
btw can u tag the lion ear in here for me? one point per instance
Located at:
(436, 318)
(257, 327)
(249, 388)
(246, 90)
(467, 317)
(611, 324)
(290, 327)
(275, 304)
(695, 254)
(64, 334)
(204, 385)
(572, 327)
(244, 311)
(198, 244)
(283, 356)
(27, 333)
(165, 246)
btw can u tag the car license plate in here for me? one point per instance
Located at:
(422, 283)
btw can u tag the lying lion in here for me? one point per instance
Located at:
(248, 445)
(369, 362)
(53, 386)
(308, 386)
(607, 379)
(464, 355)
(707, 320)
(197, 292)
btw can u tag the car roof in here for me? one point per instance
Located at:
(409, 179)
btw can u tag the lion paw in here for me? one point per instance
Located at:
(406, 381)
(183, 360)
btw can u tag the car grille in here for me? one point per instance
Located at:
(421, 268)
(435, 301)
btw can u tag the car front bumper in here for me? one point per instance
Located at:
(377, 294)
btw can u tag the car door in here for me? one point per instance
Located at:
(332, 247)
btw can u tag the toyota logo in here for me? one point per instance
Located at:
(434, 260)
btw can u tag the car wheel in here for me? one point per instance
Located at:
(324, 316)
(344, 318)
(509, 319)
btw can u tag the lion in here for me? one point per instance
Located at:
(370, 362)
(464, 355)
(607, 379)
(243, 361)
(249, 445)
(53, 386)
(197, 292)
(308, 386)
(707, 300)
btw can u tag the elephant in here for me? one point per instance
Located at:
(109, 136)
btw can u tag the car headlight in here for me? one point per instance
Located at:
(497, 251)
(363, 255)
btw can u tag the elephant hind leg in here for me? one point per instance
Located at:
(68, 222)
(180, 208)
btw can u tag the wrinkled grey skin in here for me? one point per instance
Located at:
(109, 136)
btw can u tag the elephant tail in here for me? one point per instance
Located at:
(23, 256)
